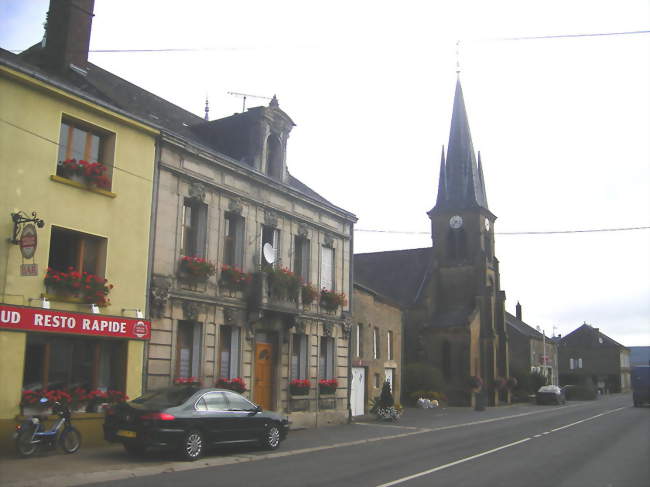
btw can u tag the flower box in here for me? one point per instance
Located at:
(282, 283)
(187, 381)
(299, 387)
(309, 294)
(234, 279)
(237, 384)
(88, 288)
(196, 268)
(88, 173)
(327, 386)
(331, 301)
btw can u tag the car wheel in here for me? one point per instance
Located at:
(271, 438)
(70, 440)
(134, 449)
(193, 446)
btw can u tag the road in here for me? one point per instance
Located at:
(598, 443)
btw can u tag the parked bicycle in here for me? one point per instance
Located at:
(30, 435)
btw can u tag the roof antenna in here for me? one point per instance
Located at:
(458, 57)
(207, 108)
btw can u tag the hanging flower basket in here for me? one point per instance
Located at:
(237, 384)
(196, 268)
(87, 287)
(299, 387)
(327, 386)
(330, 300)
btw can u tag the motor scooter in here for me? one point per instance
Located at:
(30, 435)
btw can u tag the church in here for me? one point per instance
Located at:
(450, 292)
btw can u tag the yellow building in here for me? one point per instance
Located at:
(76, 179)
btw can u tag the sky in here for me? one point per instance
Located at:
(562, 124)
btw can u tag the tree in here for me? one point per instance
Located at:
(386, 398)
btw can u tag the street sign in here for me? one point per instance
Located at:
(29, 269)
(28, 241)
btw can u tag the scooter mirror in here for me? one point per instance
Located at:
(43, 400)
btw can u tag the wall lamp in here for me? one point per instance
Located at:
(94, 308)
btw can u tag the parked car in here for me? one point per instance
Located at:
(550, 395)
(189, 418)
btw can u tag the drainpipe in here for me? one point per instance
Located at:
(351, 303)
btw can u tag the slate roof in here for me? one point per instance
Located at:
(103, 86)
(587, 336)
(461, 183)
(397, 274)
(521, 327)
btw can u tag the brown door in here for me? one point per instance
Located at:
(263, 391)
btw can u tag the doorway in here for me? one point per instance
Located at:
(263, 389)
(358, 391)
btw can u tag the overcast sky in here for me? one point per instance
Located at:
(562, 124)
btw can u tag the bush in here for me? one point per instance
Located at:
(386, 398)
(421, 376)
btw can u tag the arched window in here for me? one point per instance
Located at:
(274, 157)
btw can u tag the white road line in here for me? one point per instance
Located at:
(463, 460)
(441, 467)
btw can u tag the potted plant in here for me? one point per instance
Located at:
(29, 403)
(299, 387)
(385, 407)
(83, 285)
(115, 397)
(187, 381)
(237, 384)
(90, 173)
(327, 386)
(309, 294)
(331, 300)
(234, 279)
(283, 284)
(196, 268)
(96, 399)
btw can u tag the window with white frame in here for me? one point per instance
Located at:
(270, 236)
(188, 347)
(327, 358)
(375, 343)
(327, 268)
(389, 345)
(299, 357)
(358, 340)
(229, 337)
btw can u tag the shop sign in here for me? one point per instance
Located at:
(29, 269)
(28, 241)
(53, 321)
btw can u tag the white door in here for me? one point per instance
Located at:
(357, 391)
(389, 377)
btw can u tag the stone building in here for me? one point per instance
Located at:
(454, 305)
(530, 350)
(587, 353)
(376, 348)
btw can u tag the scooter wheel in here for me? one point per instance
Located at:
(70, 440)
(24, 445)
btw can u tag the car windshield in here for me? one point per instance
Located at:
(170, 397)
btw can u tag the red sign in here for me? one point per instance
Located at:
(28, 241)
(53, 321)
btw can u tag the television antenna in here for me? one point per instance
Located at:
(246, 95)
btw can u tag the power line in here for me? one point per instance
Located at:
(596, 230)
(42, 137)
(566, 36)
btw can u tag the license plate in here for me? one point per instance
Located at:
(126, 433)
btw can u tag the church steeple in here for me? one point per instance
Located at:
(464, 185)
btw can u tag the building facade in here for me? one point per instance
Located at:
(376, 348)
(531, 350)
(451, 292)
(76, 176)
(588, 354)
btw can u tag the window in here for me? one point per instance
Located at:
(238, 403)
(377, 381)
(358, 339)
(83, 252)
(327, 358)
(274, 157)
(299, 365)
(188, 345)
(301, 257)
(572, 364)
(193, 228)
(70, 362)
(375, 343)
(579, 363)
(233, 253)
(83, 142)
(212, 401)
(229, 351)
(327, 268)
(389, 345)
(270, 236)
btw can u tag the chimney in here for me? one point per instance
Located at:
(67, 34)
(518, 311)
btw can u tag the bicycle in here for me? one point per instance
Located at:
(29, 435)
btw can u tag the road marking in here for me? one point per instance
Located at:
(467, 459)
(388, 426)
(441, 467)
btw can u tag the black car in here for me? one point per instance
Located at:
(550, 395)
(190, 418)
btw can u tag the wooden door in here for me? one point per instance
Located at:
(358, 391)
(263, 392)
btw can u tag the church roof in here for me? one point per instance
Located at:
(462, 184)
(397, 274)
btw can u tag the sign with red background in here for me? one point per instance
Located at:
(53, 321)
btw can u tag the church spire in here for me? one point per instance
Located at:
(442, 180)
(464, 185)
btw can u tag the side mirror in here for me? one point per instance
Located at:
(43, 401)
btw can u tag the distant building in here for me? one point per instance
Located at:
(530, 350)
(587, 353)
(451, 292)
(376, 348)
(639, 356)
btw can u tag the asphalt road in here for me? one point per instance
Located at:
(599, 443)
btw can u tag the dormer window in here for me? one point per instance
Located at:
(273, 157)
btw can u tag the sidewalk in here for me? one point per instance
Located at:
(89, 465)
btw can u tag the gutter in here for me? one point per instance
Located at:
(351, 304)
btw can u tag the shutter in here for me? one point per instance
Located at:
(201, 229)
(234, 352)
(327, 255)
(304, 265)
(238, 241)
(196, 349)
(303, 357)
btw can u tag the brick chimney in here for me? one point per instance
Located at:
(518, 311)
(67, 34)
